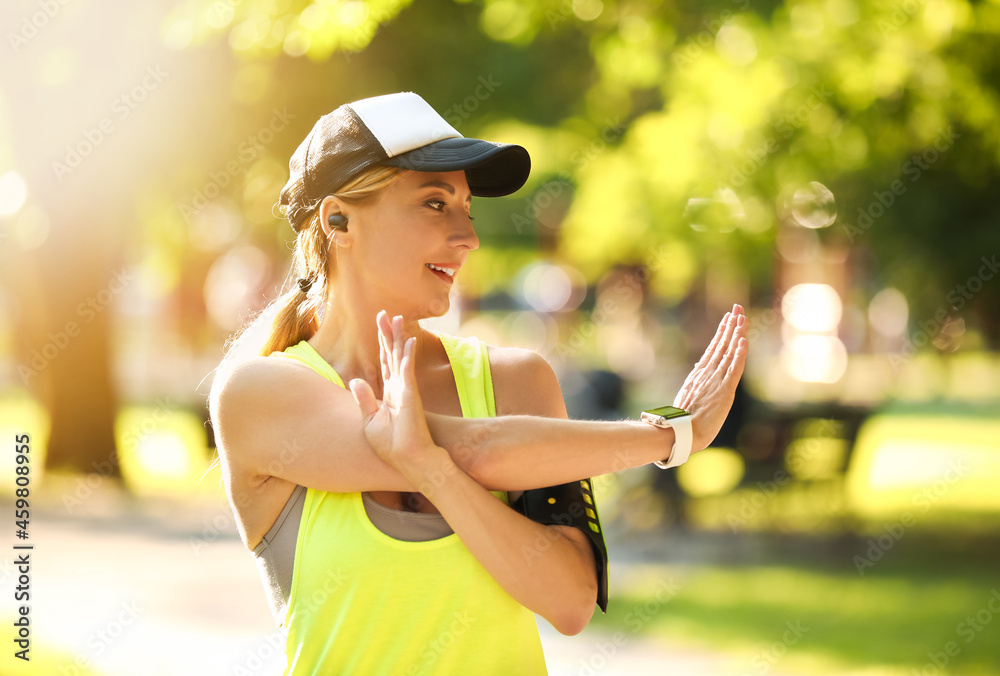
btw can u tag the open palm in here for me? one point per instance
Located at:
(395, 427)
(710, 388)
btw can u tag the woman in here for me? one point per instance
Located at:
(384, 531)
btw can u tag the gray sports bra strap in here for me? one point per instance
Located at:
(275, 555)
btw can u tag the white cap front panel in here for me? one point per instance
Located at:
(402, 122)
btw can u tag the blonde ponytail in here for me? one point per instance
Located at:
(295, 314)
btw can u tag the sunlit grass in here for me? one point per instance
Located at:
(916, 463)
(908, 606)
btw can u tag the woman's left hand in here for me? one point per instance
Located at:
(396, 427)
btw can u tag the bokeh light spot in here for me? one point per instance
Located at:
(814, 359)
(888, 312)
(13, 193)
(812, 307)
(813, 206)
(736, 45)
(713, 471)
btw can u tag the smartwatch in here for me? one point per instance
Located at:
(680, 421)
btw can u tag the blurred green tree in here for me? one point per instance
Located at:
(675, 136)
(687, 126)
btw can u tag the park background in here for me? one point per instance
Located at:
(831, 165)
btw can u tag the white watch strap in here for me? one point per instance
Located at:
(682, 442)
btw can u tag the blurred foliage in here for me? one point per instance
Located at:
(634, 111)
(18, 414)
(163, 451)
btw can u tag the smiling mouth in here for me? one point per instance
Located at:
(441, 274)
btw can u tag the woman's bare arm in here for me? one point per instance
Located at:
(523, 452)
(551, 570)
(276, 417)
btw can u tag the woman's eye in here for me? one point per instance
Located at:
(439, 205)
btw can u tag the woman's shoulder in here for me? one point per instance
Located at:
(257, 370)
(239, 385)
(524, 383)
(505, 362)
(519, 360)
(256, 401)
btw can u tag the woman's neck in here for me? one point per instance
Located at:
(348, 340)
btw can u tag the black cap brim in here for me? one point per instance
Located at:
(492, 169)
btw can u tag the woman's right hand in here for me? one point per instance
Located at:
(396, 427)
(709, 390)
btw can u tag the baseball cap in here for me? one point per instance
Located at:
(400, 130)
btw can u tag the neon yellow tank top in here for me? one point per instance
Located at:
(363, 602)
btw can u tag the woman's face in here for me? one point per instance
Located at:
(421, 219)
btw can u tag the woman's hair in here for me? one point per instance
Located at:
(295, 314)
(298, 316)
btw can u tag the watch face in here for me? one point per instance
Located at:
(667, 412)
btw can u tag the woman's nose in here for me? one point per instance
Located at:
(464, 233)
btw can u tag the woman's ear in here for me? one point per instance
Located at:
(329, 206)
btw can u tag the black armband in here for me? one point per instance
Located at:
(571, 504)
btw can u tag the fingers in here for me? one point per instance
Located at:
(393, 348)
(716, 365)
(397, 341)
(406, 358)
(710, 350)
(714, 354)
(384, 329)
(738, 337)
(364, 396)
(407, 366)
(390, 332)
(735, 371)
(723, 344)
(718, 337)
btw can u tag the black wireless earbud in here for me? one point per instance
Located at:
(338, 222)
